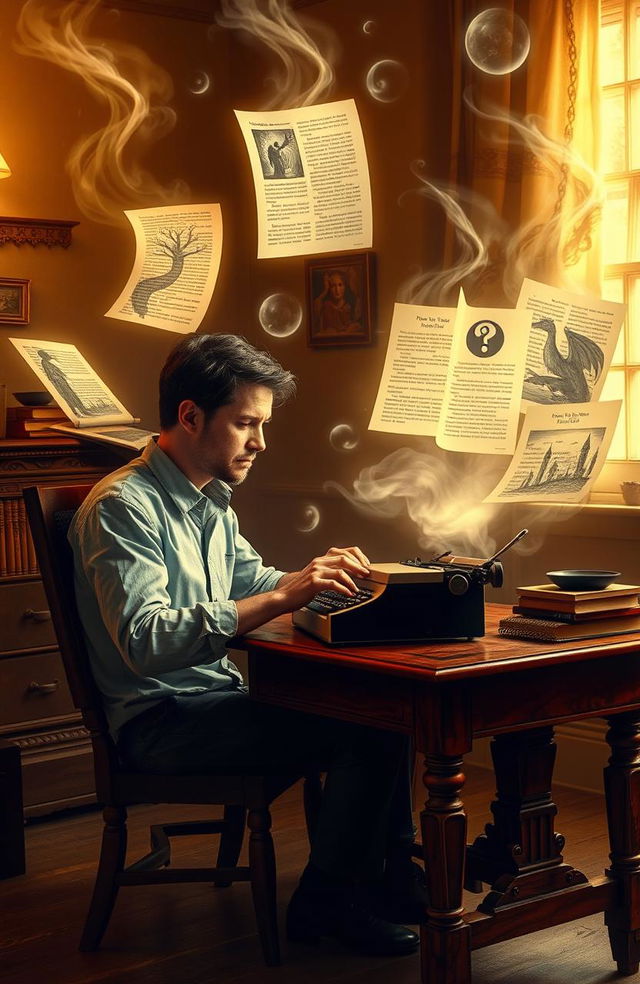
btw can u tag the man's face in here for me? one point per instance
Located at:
(233, 436)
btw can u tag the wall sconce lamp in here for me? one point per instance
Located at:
(5, 170)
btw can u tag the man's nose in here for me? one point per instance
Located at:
(257, 441)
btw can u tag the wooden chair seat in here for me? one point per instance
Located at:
(245, 798)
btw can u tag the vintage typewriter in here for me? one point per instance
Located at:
(410, 601)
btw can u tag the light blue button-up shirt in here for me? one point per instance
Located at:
(158, 565)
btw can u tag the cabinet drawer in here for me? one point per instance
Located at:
(33, 688)
(23, 622)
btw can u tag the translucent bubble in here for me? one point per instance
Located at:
(343, 438)
(199, 83)
(387, 80)
(369, 27)
(310, 519)
(497, 41)
(280, 315)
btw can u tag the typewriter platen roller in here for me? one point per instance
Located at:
(410, 601)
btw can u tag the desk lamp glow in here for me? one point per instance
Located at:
(5, 170)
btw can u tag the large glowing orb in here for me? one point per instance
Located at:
(497, 41)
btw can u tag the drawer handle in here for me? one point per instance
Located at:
(44, 616)
(43, 688)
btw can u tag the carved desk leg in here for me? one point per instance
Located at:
(622, 788)
(446, 944)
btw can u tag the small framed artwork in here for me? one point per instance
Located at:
(15, 300)
(340, 299)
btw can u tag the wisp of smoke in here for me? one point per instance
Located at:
(435, 286)
(104, 176)
(442, 499)
(307, 71)
(551, 241)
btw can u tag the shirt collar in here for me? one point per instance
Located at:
(176, 484)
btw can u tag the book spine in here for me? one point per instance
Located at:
(3, 541)
(24, 536)
(17, 546)
(8, 525)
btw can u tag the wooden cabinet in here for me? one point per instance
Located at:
(36, 710)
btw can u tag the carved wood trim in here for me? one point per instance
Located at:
(35, 232)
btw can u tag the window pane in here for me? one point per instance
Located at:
(634, 126)
(614, 291)
(611, 52)
(634, 401)
(614, 132)
(634, 42)
(633, 320)
(615, 222)
(613, 389)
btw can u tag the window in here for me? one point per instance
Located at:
(620, 166)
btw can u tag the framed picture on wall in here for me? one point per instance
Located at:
(15, 300)
(340, 299)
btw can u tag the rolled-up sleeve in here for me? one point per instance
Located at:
(122, 557)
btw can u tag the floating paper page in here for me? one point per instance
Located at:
(178, 249)
(311, 179)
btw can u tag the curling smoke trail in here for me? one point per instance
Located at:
(443, 499)
(308, 73)
(435, 287)
(553, 240)
(104, 176)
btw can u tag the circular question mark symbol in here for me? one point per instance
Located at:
(485, 338)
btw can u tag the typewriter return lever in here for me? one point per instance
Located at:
(496, 570)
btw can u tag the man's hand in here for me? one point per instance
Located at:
(334, 571)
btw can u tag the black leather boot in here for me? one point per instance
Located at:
(351, 919)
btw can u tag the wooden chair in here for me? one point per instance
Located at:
(50, 510)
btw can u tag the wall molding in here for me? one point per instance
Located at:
(35, 232)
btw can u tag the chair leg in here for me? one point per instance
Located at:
(112, 858)
(312, 799)
(230, 841)
(262, 866)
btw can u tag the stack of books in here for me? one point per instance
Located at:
(34, 421)
(549, 614)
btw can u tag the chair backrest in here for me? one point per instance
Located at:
(50, 510)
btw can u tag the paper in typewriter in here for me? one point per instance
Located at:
(311, 179)
(571, 344)
(178, 249)
(454, 374)
(560, 453)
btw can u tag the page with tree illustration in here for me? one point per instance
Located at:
(72, 382)
(560, 453)
(572, 342)
(178, 249)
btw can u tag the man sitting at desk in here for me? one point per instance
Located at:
(164, 580)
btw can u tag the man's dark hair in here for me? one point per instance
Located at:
(208, 370)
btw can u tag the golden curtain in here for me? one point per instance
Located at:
(524, 152)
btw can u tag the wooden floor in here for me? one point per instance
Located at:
(184, 934)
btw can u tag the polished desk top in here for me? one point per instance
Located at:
(441, 661)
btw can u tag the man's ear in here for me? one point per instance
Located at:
(189, 415)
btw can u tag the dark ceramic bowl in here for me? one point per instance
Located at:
(34, 399)
(583, 580)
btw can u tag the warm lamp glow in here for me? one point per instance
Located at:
(5, 170)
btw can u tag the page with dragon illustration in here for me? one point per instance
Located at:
(560, 453)
(178, 249)
(572, 342)
(73, 383)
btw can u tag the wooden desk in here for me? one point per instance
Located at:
(447, 694)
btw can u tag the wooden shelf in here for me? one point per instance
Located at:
(35, 232)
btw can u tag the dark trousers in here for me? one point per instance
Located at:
(366, 802)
